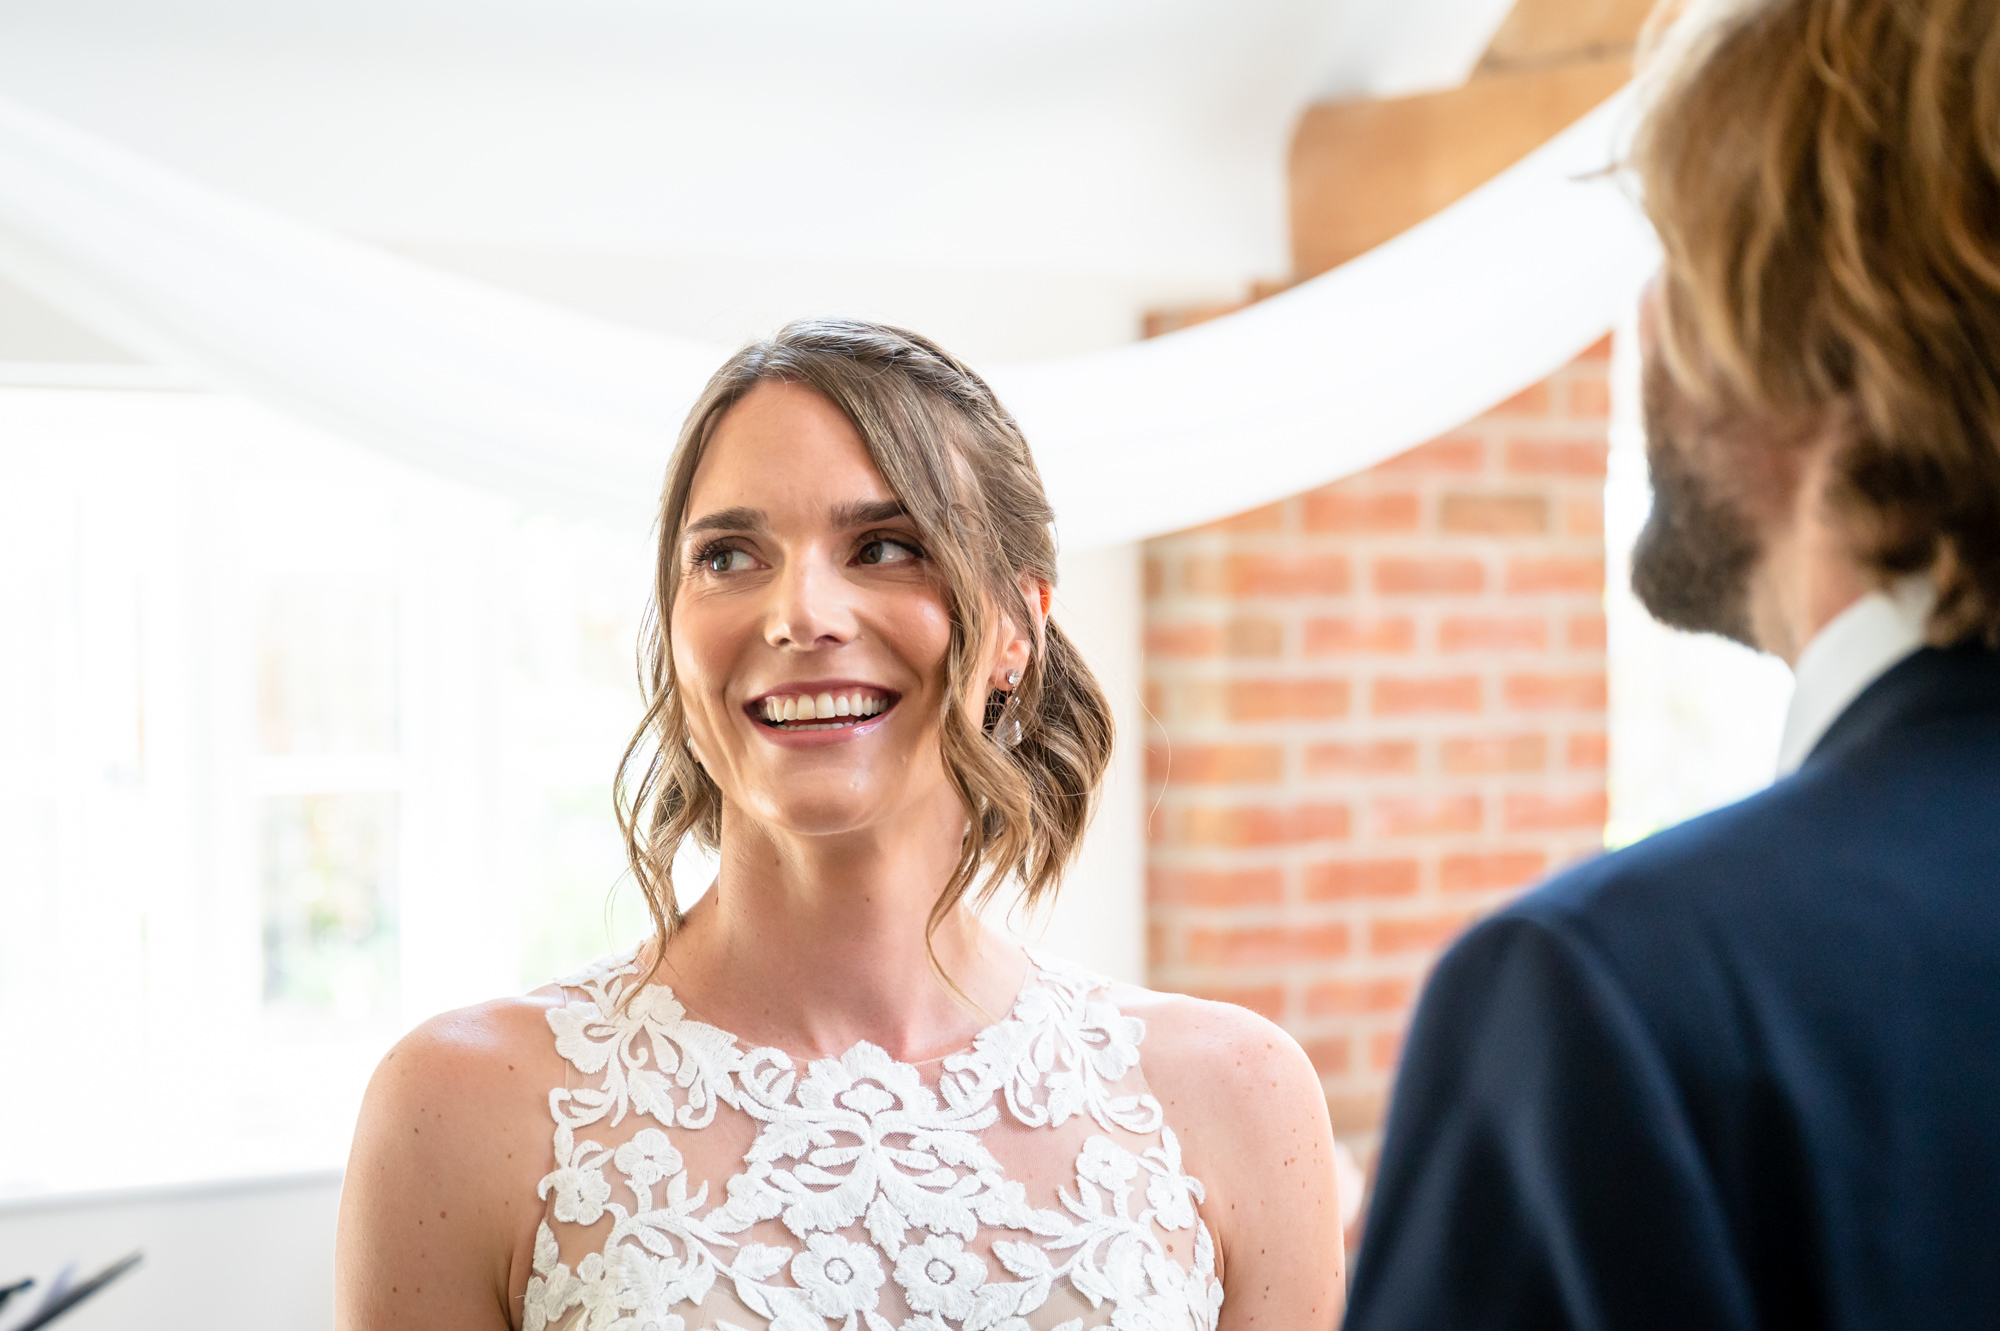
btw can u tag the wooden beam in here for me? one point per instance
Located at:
(1363, 172)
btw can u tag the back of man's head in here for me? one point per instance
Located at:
(1825, 179)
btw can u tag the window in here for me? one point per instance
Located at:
(297, 747)
(1695, 719)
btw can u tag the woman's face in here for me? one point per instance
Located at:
(810, 628)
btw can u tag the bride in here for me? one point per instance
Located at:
(827, 1096)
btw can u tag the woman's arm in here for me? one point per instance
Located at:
(438, 1209)
(1252, 1118)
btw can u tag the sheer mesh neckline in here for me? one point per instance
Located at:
(748, 1046)
(700, 1184)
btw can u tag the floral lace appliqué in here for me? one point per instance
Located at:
(866, 1199)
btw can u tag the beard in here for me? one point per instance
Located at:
(1692, 564)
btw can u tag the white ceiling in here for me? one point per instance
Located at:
(1037, 171)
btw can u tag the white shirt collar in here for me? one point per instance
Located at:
(1856, 648)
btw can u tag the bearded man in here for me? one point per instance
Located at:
(1746, 1073)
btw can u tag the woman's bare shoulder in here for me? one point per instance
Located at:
(465, 1096)
(1206, 1055)
(1251, 1116)
(465, 1074)
(439, 1207)
(475, 1047)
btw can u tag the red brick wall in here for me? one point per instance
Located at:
(1378, 710)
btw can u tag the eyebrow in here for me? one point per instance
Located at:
(858, 513)
(866, 513)
(728, 519)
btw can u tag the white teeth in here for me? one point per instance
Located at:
(821, 707)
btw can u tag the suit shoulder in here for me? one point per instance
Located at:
(1668, 921)
(1711, 859)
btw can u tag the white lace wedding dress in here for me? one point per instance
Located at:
(1028, 1183)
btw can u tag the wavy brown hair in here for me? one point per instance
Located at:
(1825, 179)
(1027, 765)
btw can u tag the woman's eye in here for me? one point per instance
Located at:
(886, 552)
(725, 560)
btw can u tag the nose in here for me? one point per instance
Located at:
(810, 606)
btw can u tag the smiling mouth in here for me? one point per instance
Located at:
(821, 711)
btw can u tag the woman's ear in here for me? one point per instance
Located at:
(1020, 641)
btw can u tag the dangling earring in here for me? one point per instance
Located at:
(1006, 727)
(1001, 721)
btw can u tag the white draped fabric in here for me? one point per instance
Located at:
(481, 384)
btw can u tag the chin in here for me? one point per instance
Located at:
(830, 807)
(1693, 562)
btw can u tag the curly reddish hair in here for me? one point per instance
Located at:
(1825, 179)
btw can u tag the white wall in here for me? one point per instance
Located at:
(256, 1256)
(1099, 920)
(31, 331)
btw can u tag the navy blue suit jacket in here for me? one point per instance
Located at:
(1745, 1073)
